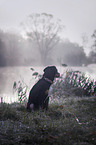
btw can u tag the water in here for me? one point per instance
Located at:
(24, 74)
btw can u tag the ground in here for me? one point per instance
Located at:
(69, 121)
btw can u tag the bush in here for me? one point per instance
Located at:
(75, 83)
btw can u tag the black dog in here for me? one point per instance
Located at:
(38, 96)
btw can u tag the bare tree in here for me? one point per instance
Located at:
(84, 40)
(44, 31)
(92, 54)
(94, 37)
(2, 53)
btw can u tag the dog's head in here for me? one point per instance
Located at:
(51, 72)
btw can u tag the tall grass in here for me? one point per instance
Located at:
(75, 83)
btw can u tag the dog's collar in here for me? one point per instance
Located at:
(46, 79)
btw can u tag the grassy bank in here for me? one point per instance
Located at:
(69, 121)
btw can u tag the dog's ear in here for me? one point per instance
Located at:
(51, 72)
(46, 69)
(51, 68)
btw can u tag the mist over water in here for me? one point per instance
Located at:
(24, 74)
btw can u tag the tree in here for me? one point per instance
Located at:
(92, 54)
(44, 31)
(94, 37)
(71, 54)
(92, 57)
(13, 48)
(2, 53)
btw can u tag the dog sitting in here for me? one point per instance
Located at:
(38, 96)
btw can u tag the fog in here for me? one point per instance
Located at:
(17, 51)
(59, 33)
(76, 15)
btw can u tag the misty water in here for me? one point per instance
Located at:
(24, 74)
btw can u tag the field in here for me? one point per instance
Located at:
(70, 120)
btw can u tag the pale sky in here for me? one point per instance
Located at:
(78, 16)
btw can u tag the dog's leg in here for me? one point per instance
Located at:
(46, 101)
(32, 107)
(45, 104)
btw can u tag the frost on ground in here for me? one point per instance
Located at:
(70, 120)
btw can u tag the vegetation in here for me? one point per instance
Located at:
(76, 83)
(43, 30)
(92, 54)
(71, 119)
(94, 37)
(71, 54)
(43, 40)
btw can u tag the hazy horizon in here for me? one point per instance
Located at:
(77, 16)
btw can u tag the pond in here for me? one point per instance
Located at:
(9, 75)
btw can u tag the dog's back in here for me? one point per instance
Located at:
(39, 92)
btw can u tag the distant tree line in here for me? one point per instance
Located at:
(16, 51)
(92, 55)
(71, 54)
(42, 45)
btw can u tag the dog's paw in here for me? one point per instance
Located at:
(32, 107)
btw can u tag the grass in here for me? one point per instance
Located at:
(69, 121)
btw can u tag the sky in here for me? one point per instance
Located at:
(78, 16)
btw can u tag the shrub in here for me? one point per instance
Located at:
(74, 82)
